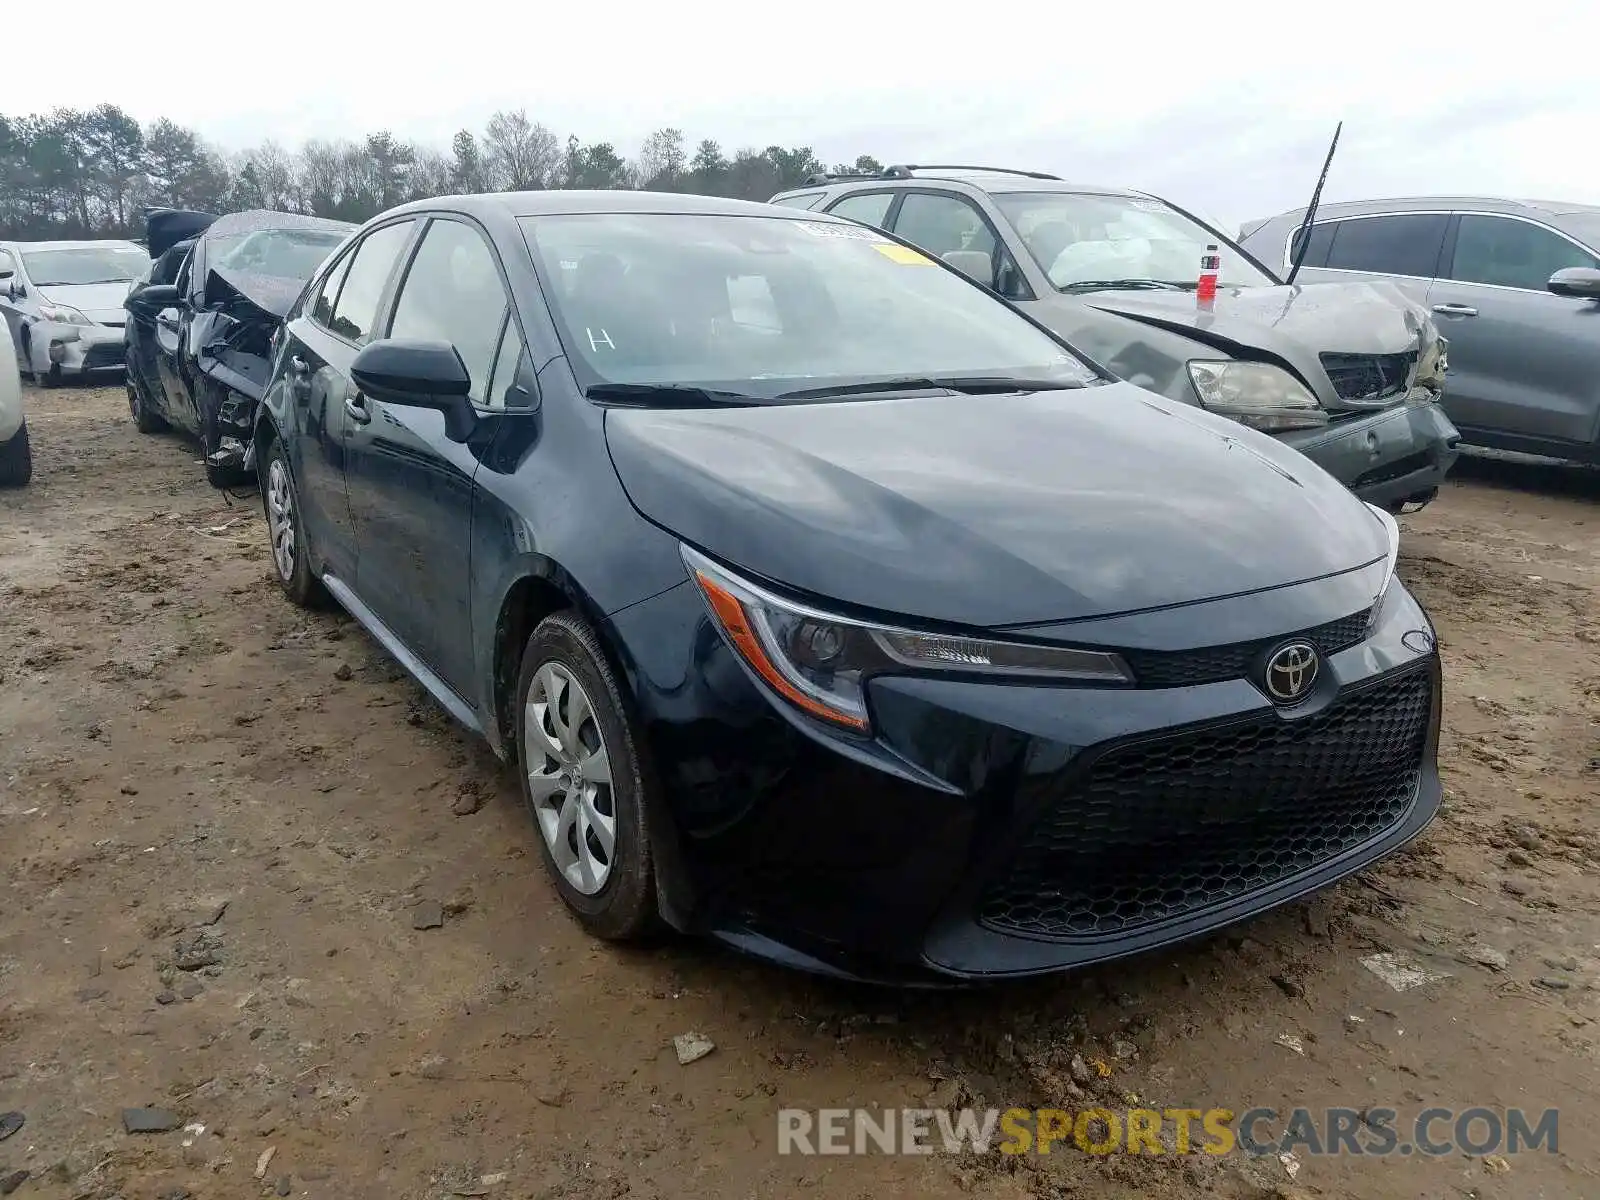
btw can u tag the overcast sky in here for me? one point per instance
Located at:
(1224, 106)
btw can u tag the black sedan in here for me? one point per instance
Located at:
(827, 604)
(200, 326)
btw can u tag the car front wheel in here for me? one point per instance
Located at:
(144, 420)
(585, 780)
(16, 459)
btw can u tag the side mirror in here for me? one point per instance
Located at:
(418, 374)
(152, 298)
(1582, 283)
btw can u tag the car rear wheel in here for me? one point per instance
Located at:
(144, 420)
(291, 559)
(16, 459)
(586, 781)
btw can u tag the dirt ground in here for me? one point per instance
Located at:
(219, 815)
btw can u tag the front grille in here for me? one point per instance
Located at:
(1162, 829)
(103, 354)
(1212, 664)
(1369, 378)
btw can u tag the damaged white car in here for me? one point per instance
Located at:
(62, 303)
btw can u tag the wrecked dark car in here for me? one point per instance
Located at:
(201, 326)
(1348, 374)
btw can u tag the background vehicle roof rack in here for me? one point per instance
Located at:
(903, 171)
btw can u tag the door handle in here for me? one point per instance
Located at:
(1455, 310)
(356, 408)
(299, 366)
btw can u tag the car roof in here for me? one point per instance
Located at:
(545, 203)
(1485, 203)
(86, 244)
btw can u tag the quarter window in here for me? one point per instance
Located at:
(507, 361)
(356, 310)
(801, 200)
(1403, 244)
(453, 293)
(870, 209)
(1511, 253)
(328, 293)
(1317, 251)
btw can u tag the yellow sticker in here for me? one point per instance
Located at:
(902, 254)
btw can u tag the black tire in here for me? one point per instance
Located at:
(298, 583)
(144, 420)
(624, 909)
(16, 459)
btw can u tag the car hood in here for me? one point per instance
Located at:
(97, 301)
(993, 510)
(1294, 325)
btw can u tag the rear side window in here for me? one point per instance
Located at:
(1317, 251)
(870, 209)
(1404, 244)
(356, 309)
(1511, 253)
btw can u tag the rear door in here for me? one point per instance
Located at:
(341, 315)
(411, 487)
(1524, 363)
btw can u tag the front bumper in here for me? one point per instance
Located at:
(1389, 457)
(76, 350)
(999, 830)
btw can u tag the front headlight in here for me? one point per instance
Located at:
(1391, 527)
(1256, 394)
(820, 662)
(63, 314)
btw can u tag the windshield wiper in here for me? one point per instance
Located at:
(118, 279)
(1132, 285)
(670, 395)
(969, 385)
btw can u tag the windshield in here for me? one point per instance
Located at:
(111, 263)
(1081, 240)
(281, 253)
(755, 304)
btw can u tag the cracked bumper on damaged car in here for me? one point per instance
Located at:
(75, 350)
(1389, 457)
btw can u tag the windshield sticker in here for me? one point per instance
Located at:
(905, 255)
(604, 339)
(854, 233)
(1149, 206)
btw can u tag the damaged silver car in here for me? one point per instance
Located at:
(1348, 374)
(199, 347)
(62, 304)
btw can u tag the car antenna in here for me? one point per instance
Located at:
(1304, 240)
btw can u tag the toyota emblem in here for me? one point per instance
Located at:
(1291, 671)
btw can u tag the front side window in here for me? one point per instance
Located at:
(766, 306)
(452, 293)
(1403, 244)
(801, 200)
(356, 309)
(1511, 253)
(1087, 241)
(111, 263)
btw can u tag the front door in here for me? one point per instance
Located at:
(411, 487)
(1523, 361)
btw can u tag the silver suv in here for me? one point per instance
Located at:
(1348, 374)
(1514, 285)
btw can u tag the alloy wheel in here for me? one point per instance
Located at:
(569, 778)
(280, 518)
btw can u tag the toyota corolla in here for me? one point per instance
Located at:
(827, 604)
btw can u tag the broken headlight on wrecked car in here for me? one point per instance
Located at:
(1259, 395)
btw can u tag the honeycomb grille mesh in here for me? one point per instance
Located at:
(1158, 830)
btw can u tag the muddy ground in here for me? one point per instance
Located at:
(218, 816)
